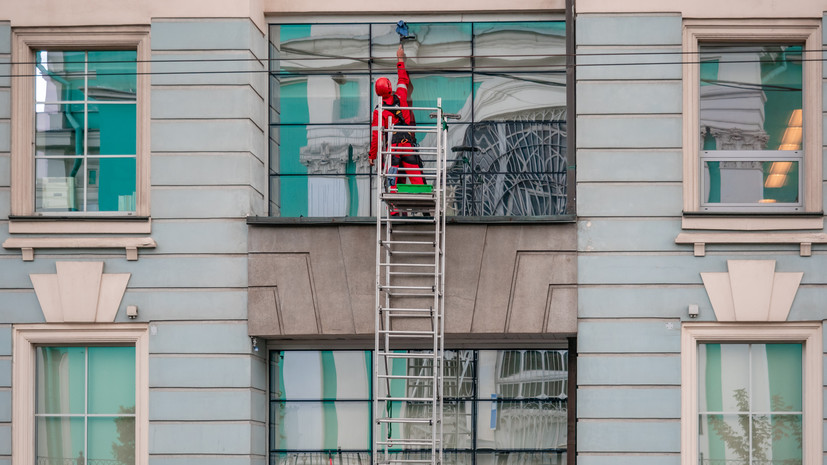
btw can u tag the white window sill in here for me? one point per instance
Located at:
(27, 245)
(753, 223)
(805, 240)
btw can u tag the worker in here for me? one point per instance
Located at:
(409, 164)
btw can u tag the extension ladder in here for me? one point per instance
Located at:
(410, 260)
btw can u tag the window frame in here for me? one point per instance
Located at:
(24, 218)
(28, 337)
(806, 333)
(807, 32)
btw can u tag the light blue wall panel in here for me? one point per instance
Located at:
(629, 403)
(629, 165)
(5, 405)
(200, 338)
(613, 132)
(5, 177)
(215, 236)
(629, 30)
(640, 199)
(199, 372)
(5, 103)
(5, 135)
(643, 302)
(205, 169)
(5, 372)
(230, 135)
(259, 368)
(225, 34)
(633, 370)
(216, 202)
(5, 37)
(5, 199)
(634, 234)
(629, 336)
(5, 72)
(204, 102)
(629, 436)
(20, 307)
(180, 405)
(238, 67)
(259, 405)
(611, 63)
(5, 438)
(611, 97)
(188, 305)
(808, 304)
(171, 271)
(199, 438)
(583, 459)
(5, 340)
(645, 269)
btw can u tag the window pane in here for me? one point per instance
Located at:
(60, 441)
(459, 373)
(59, 184)
(305, 47)
(112, 440)
(777, 439)
(61, 380)
(457, 421)
(751, 181)
(454, 90)
(320, 425)
(112, 184)
(525, 424)
(520, 97)
(59, 129)
(526, 46)
(59, 76)
(777, 377)
(521, 458)
(751, 97)
(320, 375)
(318, 150)
(327, 98)
(448, 457)
(112, 129)
(724, 377)
(113, 75)
(320, 458)
(112, 380)
(439, 46)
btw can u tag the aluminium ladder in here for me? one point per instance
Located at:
(410, 259)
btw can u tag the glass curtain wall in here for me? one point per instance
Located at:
(505, 80)
(502, 407)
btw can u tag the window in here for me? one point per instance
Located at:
(506, 406)
(80, 125)
(752, 99)
(506, 80)
(80, 394)
(751, 394)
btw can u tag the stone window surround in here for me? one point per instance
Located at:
(24, 41)
(807, 333)
(27, 336)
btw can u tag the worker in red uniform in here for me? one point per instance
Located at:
(410, 164)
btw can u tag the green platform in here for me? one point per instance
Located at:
(414, 188)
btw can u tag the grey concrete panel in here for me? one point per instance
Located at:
(290, 277)
(537, 279)
(629, 436)
(629, 336)
(209, 68)
(463, 266)
(183, 304)
(615, 63)
(643, 302)
(629, 165)
(629, 370)
(613, 97)
(5, 372)
(632, 132)
(645, 269)
(5, 340)
(203, 203)
(211, 237)
(199, 372)
(189, 405)
(226, 337)
(629, 29)
(207, 169)
(629, 403)
(206, 34)
(226, 135)
(360, 273)
(5, 177)
(264, 311)
(585, 459)
(628, 234)
(5, 405)
(206, 102)
(629, 199)
(200, 438)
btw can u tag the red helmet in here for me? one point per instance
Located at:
(383, 87)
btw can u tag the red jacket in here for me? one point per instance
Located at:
(403, 84)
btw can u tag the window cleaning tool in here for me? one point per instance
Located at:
(404, 34)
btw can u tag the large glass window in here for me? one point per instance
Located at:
(506, 80)
(501, 406)
(84, 130)
(750, 405)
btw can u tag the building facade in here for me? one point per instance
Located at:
(636, 223)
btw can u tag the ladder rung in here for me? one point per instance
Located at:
(405, 442)
(413, 232)
(389, 461)
(410, 309)
(431, 243)
(411, 294)
(407, 264)
(408, 355)
(402, 332)
(403, 420)
(412, 273)
(409, 288)
(430, 377)
(411, 252)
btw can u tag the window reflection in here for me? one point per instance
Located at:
(510, 95)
